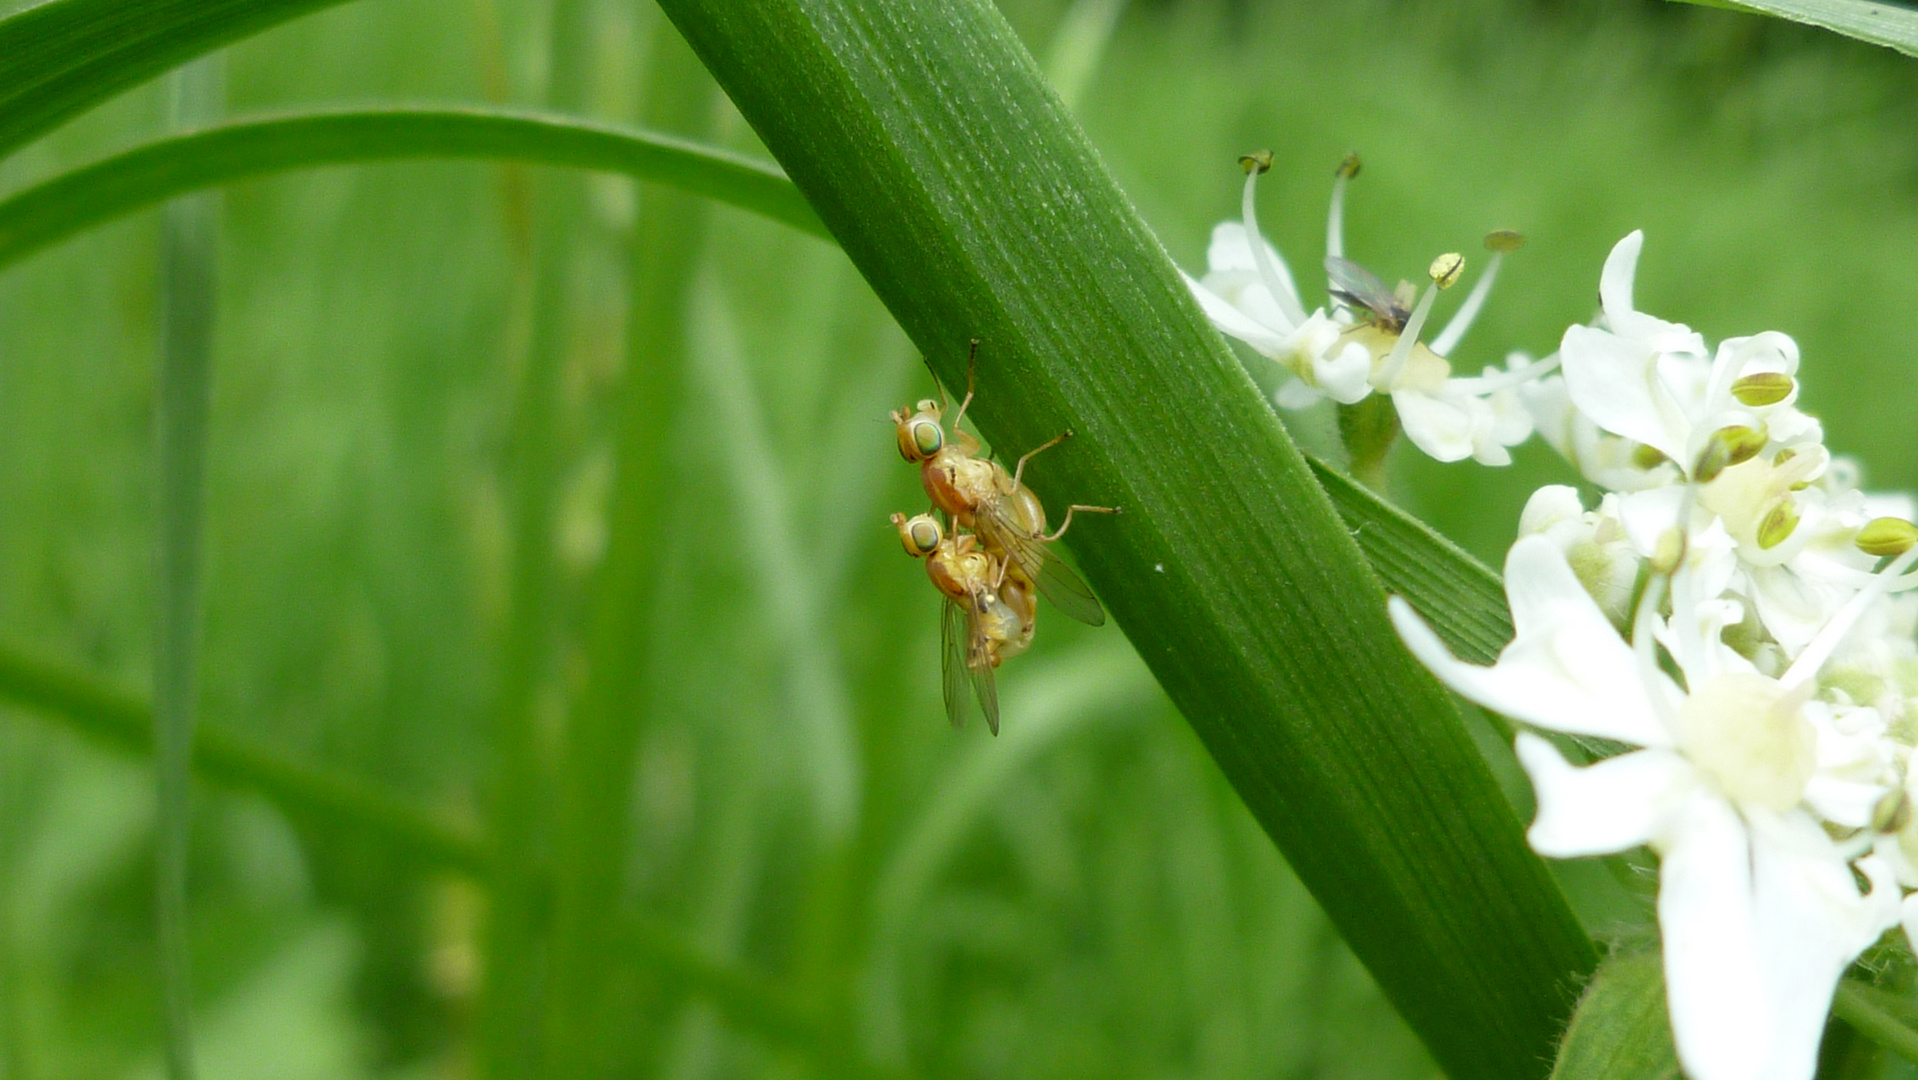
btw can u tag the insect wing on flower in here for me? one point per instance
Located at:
(1356, 287)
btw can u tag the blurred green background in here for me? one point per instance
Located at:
(737, 737)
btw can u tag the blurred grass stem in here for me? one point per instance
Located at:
(764, 502)
(95, 709)
(1079, 44)
(55, 209)
(189, 291)
(594, 835)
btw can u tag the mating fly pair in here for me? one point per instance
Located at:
(990, 574)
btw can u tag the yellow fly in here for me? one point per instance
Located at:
(990, 613)
(980, 495)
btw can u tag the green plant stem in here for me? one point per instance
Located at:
(1855, 1005)
(189, 291)
(123, 721)
(1368, 430)
(137, 178)
(927, 141)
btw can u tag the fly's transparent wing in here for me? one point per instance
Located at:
(1056, 581)
(979, 670)
(955, 638)
(1357, 287)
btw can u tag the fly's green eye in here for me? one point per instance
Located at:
(924, 535)
(927, 438)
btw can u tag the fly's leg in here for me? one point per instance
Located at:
(972, 368)
(1019, 469)
(1067, 523)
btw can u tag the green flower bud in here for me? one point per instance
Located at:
(1892, 813)
(1778, 525)
(1886, 536)
(1728, 446)
(1669, 553)
(1764, 388)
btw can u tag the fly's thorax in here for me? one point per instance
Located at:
(957, 482)
(958, 570)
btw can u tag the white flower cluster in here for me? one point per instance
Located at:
(1368, 340)
(1734, 620)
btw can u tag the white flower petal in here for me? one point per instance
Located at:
(1566, 670)
(1615, 280)
(1810, 924)
(1346, 376)
(1613, 380)
(1229, 250)
(1618, 803)
(1235, 323)
(1549, 506)
(1896, 504)
(1713, 980)
(1648, 515)
(1440, 428)
(1297, 394)
(1908, 914)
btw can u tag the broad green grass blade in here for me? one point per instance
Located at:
(79, 200)
(64, 56)
(1620, 1031)
(927, 141)
(1461, 597)
(121, 720)
(1892, 25)
(189, 303)
(1078, 44)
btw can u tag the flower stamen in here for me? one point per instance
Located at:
(1335, 215)
(1444, 272)
(1498, 242)
(1275, 282)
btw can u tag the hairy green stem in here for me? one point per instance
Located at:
(1859, 1005)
